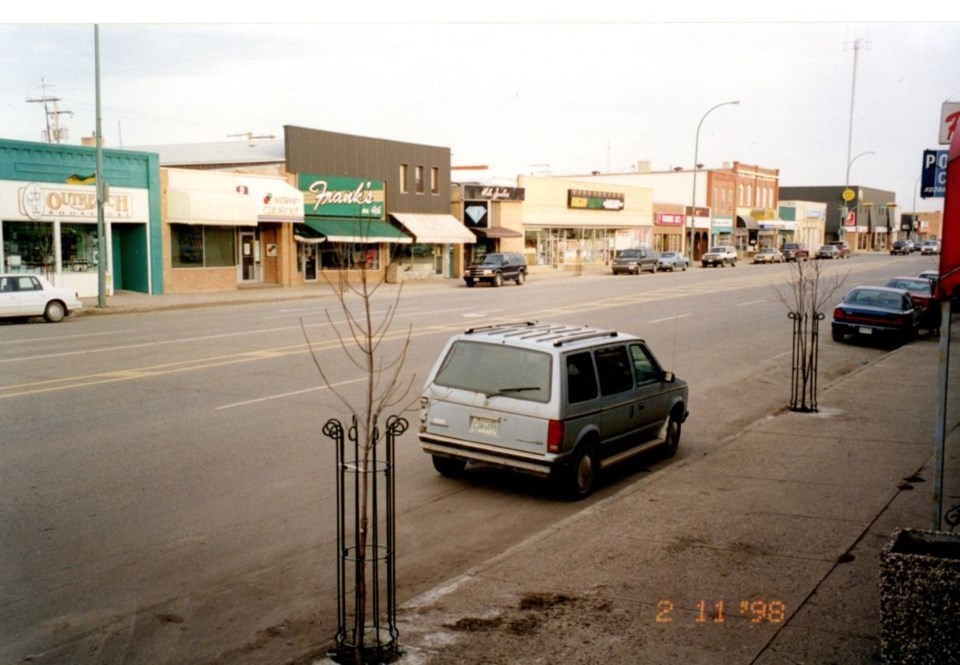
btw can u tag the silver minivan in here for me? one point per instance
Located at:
(551, 400)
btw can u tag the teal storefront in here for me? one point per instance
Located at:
(48, 216)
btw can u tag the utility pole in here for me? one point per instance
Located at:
(54, 134)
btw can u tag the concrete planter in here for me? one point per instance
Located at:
(920, 597)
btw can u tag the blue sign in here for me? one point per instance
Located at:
(933, 181)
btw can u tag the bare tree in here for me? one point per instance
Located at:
(807, 294)
(361, 336)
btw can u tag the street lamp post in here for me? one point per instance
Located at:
(696, 155)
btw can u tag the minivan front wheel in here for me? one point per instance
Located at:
(582, 474)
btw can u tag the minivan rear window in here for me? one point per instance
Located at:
(494, 369)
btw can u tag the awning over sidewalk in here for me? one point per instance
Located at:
(747, 222)
(496, 232)
(438, 229)
(362, 231)
(193, 206)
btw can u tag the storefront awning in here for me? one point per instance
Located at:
(352, 230)
(747, 222)
(303, 233)
(436, 229)
(194, 206)
(496, 232)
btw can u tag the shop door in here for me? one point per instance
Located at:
(248, 257)
(310, 262)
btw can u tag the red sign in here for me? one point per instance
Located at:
(851, 219)
(950, 247)
(671, 219)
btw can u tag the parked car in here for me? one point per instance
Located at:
(550, 400)
(930, 247)
(876, 312)
(828, 252)
(495, 268)
(768, 255)
(843, 247)
(902, 247)
(23, 296)
(634, 261)
(721, 255)
(672, 260)
(923, 292)
(794, 251)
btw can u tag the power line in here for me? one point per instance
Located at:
(56, 133)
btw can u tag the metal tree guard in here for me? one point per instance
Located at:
(373, 563)
(806, 350)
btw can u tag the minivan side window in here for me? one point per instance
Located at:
(613, 368)
(581, 379)
(643, 365)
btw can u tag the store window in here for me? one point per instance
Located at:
(404, 188)
(28, 246)
(418, 179)
(434, 180)
(195, 246)
(78, 247)
(417, 257)
(349, 256)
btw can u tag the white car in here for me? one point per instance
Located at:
(23, 296)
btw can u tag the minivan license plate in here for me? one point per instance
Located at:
(488, 426)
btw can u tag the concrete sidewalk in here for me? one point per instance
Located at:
(764, 550)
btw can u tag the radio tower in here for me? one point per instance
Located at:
(56, 133)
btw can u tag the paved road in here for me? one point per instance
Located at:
(168, 493)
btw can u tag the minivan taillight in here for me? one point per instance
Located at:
(554, 436)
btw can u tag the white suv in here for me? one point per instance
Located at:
(721, 255)
(551, 400)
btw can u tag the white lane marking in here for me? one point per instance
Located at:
(669, 318)
(752, 302)
(282, 395)
(59, 337)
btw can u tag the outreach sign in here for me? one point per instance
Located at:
(333, 196)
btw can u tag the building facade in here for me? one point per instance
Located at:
(359, 192)
(865, 219)
(569, 223)
(49, 217)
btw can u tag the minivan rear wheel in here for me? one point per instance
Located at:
(582, 474)
(449, 466)
(672, 440)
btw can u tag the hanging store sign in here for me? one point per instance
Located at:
(475, 215)
(581, 199)
(333, 196)
(933, 183)
(949, 119)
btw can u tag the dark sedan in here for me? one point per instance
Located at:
(876, 312)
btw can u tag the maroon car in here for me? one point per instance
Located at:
(923, 292)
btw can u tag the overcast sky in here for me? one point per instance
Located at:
(520, 96)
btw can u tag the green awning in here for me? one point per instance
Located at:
(357, 230)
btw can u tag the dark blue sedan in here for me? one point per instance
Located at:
(876, 312)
